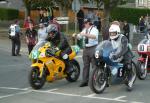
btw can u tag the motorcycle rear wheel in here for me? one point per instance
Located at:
(35, 81)
(97, 81)
(141, 71)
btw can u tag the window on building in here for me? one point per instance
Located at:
(141, 2)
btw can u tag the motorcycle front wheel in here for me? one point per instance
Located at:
(141, 71)
(98, 81)
(35, 81)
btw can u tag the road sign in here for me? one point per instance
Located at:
(63, 20)
(75, 5)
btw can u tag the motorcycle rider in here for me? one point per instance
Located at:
(59, 41)
(120, 42)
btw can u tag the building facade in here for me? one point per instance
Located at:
(143, 3)
(15, 4)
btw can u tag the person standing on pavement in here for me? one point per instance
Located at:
(142, 24)
(97, 21)
(27, 22)
(14, 35)
(31, 37)
(126, 29)
(80, 18)
(54, 21)
(42, 33)
(90, 37)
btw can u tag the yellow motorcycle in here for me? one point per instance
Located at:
(48, 67)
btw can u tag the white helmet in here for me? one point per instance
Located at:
(114, 28)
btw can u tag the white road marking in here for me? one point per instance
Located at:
(20, 93)
(45, 91)
(52, 91)
(120, 97)
(12, 88)
(26, 88)
(103, 98)
(136, 102)
(66, 94)
(91, 95)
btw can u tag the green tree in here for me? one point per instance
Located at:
(108, 6)
(64, 5)
(27, 4)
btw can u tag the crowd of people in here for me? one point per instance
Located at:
(144, 24)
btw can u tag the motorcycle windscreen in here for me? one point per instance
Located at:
(145, 41)
(35, 51)
(105, 48)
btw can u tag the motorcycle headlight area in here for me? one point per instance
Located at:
(34, 54)
(148, 48)
(42, 55)
(142, 48)
(97, 54)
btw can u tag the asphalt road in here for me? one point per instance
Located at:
(14, 86)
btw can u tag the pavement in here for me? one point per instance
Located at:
(14, 85)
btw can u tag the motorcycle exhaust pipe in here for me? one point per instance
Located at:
(146, 62)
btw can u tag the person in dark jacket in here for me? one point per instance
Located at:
(80, 18)
(142, 24)
(126, 29)
(31, 37)
(59, 41)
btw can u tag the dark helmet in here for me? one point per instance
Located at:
(52, 28)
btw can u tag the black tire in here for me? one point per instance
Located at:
(74, 76)
(34, 80)
(132, 77)
(141, 71)
(98, 75)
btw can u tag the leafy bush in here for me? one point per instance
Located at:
(131, 15)
(8, 14)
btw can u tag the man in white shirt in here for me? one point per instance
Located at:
(14, 35)
(90, 37)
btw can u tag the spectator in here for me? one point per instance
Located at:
(80, 18)
(90, 35)
(142, 24)
(14, 35)
(90, 15)
(126, 29)
(50, 13)
(97, 21)
(27, 22)
(31, 37)
(45, 19)
(41, 15)
(54, 21)
(42, 33)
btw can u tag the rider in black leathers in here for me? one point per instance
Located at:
(59, 41)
